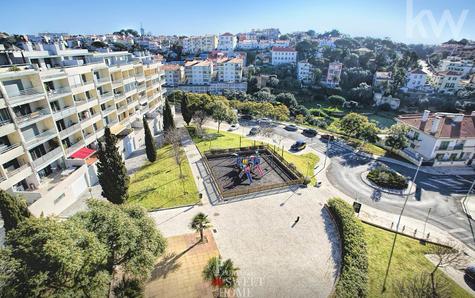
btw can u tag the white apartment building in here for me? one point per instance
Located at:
(444, 139)
(382, 77)
(282, 55)
(416, 79)
(446, 82)
(227, 42)
(199, 72)
(230, 70)
(53, 109)
(198, 44)
(305, 73)
(174, 74)
(334, 73)
(248, 44)
(457, 64)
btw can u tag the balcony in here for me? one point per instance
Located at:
(65, 112)
(6, 127)
(25, 95)
(82, 87)
(101, 81)
(40, 138)
(10, 152)
(14, 176)
(89, 137)
(106, 96)
(108, 110)
(48, 158)
(139, 77)
(119, 96)
(70, 130)
(122, 109)
(117, 83)
(33, 117)
(129, 80)
(58, 93)
(74, 147)
(141, 87)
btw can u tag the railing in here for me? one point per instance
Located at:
(66, 111)
(63, 133)
(119, 95)
(15, 98)
(122, 109)
(5, 122)
(47, 157)
(55, 93)
(12, 173)
(108, 110)
(9, 148)
(34, 115)
(74, 147)
(101, 80)
(106, 96)
(40, 137)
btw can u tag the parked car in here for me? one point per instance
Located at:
(299, 145)
(246, 117)
(470, 272)
(291, 127)
(309, 132)
(234, 126)
(264, 121)
(327, 137)
(254, 131)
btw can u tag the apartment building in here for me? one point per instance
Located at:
(381, 78)
(441, 139)
(174, 74)
(305, 73)
(416, 79)
(282, 55)
(199, 72)
(447, 82)
(334, 73)
(229, 70)
(198, 44)
(457, 64)
(54, 107)
(227, 42)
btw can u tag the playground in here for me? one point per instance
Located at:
(240, 171)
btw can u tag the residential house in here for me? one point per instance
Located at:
(283, 55)
(305, 73)
(227, 42)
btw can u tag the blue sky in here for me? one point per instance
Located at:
(379, 18)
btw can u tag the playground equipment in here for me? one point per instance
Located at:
(246, 165)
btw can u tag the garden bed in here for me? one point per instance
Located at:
(387, 178)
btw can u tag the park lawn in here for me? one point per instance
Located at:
(408, 260)
(303, 162)
(382, 121)
(157, 185)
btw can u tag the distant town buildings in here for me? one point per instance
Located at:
(198, 44)
(457, 64)
(416, 79)
(334, 74)
(381, 78)
(282, 55)
(305, 73)
(227, 42)
(174, 74)
(446, 81)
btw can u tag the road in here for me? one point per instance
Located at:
(439, 193)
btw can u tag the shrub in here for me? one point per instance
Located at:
(387, 178)
(353, 280)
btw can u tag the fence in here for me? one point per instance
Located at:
(296, 177)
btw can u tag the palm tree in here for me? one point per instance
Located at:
(199, 223)
(221, 274)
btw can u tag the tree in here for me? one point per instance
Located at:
(111, 170)
(369, 133)
(287, 99)
(420, 286)
(186, 111)
(221, 275)
(200, 118)
(150, 148)
(199, 223)
(362, 94)
(44, 257)
(263, 95)
(132, 240)
(397, 137)
(13, 210)
(99, 44)
(173, 137)
(336, 100)
(353, 124)
(444, 256)
(168, 122)
(222, 112)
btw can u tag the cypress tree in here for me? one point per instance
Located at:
(186, 112)
(149, 142)
(111, 170)
(13, 210)
(168, 122)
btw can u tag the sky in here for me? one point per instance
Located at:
(412, 21)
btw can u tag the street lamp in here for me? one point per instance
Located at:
(466, 197)
(398, 223)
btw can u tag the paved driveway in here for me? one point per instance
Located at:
(276, 257)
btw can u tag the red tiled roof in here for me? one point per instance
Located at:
(418, 71)
(227, 34)
(283, 49)
(447, 128)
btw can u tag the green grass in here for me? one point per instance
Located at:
(303, 162)
(382, 121)
(157, 185)
(408, 260)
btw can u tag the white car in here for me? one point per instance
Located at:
(233, 127)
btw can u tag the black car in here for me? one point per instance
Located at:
(291, 127)
(246, 117)
(470, 272)
(254, 131)
(327, 137)
(309, 132)
(299, 145)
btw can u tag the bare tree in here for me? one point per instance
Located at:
(200, 118)
(444, 256)
(173, 137)
(420, 286)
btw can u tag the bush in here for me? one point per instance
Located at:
(387, 178)
(353, 280)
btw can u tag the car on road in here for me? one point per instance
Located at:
(291, 127)
(327, 137)
(264, 121)
(254, 131)
(470, 272)
(299, 145)
(233, 126)
(246, 117)
(309, 132)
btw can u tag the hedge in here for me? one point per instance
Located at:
(353, 280)
(387, 178)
